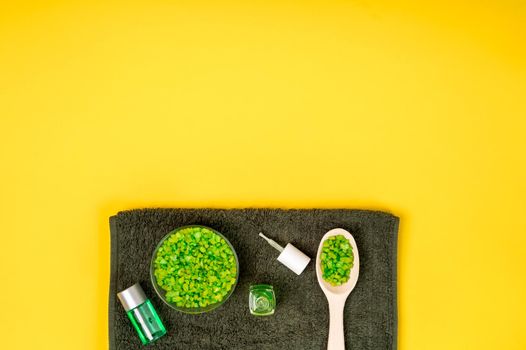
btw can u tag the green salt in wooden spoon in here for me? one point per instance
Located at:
(337, 295)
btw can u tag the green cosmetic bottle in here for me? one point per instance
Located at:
(141, 313)
(262, 300)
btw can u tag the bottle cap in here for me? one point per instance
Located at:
(132, 297)
(289, 256)
(294, 259)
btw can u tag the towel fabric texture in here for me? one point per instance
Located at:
(301, 320)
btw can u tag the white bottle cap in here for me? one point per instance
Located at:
(294, 259)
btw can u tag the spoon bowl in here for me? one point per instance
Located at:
(337, 295)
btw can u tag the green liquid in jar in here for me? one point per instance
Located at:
(146, 322)
(262, 300)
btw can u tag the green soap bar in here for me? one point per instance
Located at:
(262, 300)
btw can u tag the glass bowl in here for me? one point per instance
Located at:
(161, 292)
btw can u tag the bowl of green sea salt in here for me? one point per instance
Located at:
(194, 269)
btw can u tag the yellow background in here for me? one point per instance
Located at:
(412, 107)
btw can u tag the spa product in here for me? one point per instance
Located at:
(337, 295)
(141, 313)
(337, 259)
(262, 300)
(195, 268)
(290, 256)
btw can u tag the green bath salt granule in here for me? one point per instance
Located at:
(337, 259)
(196, 267)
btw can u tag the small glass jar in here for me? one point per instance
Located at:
(142, 314)
(262, 300)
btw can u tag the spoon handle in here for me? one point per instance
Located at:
(336, 334)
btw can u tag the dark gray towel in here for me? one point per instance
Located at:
(301, 319)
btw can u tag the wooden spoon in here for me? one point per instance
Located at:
(336, 296)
